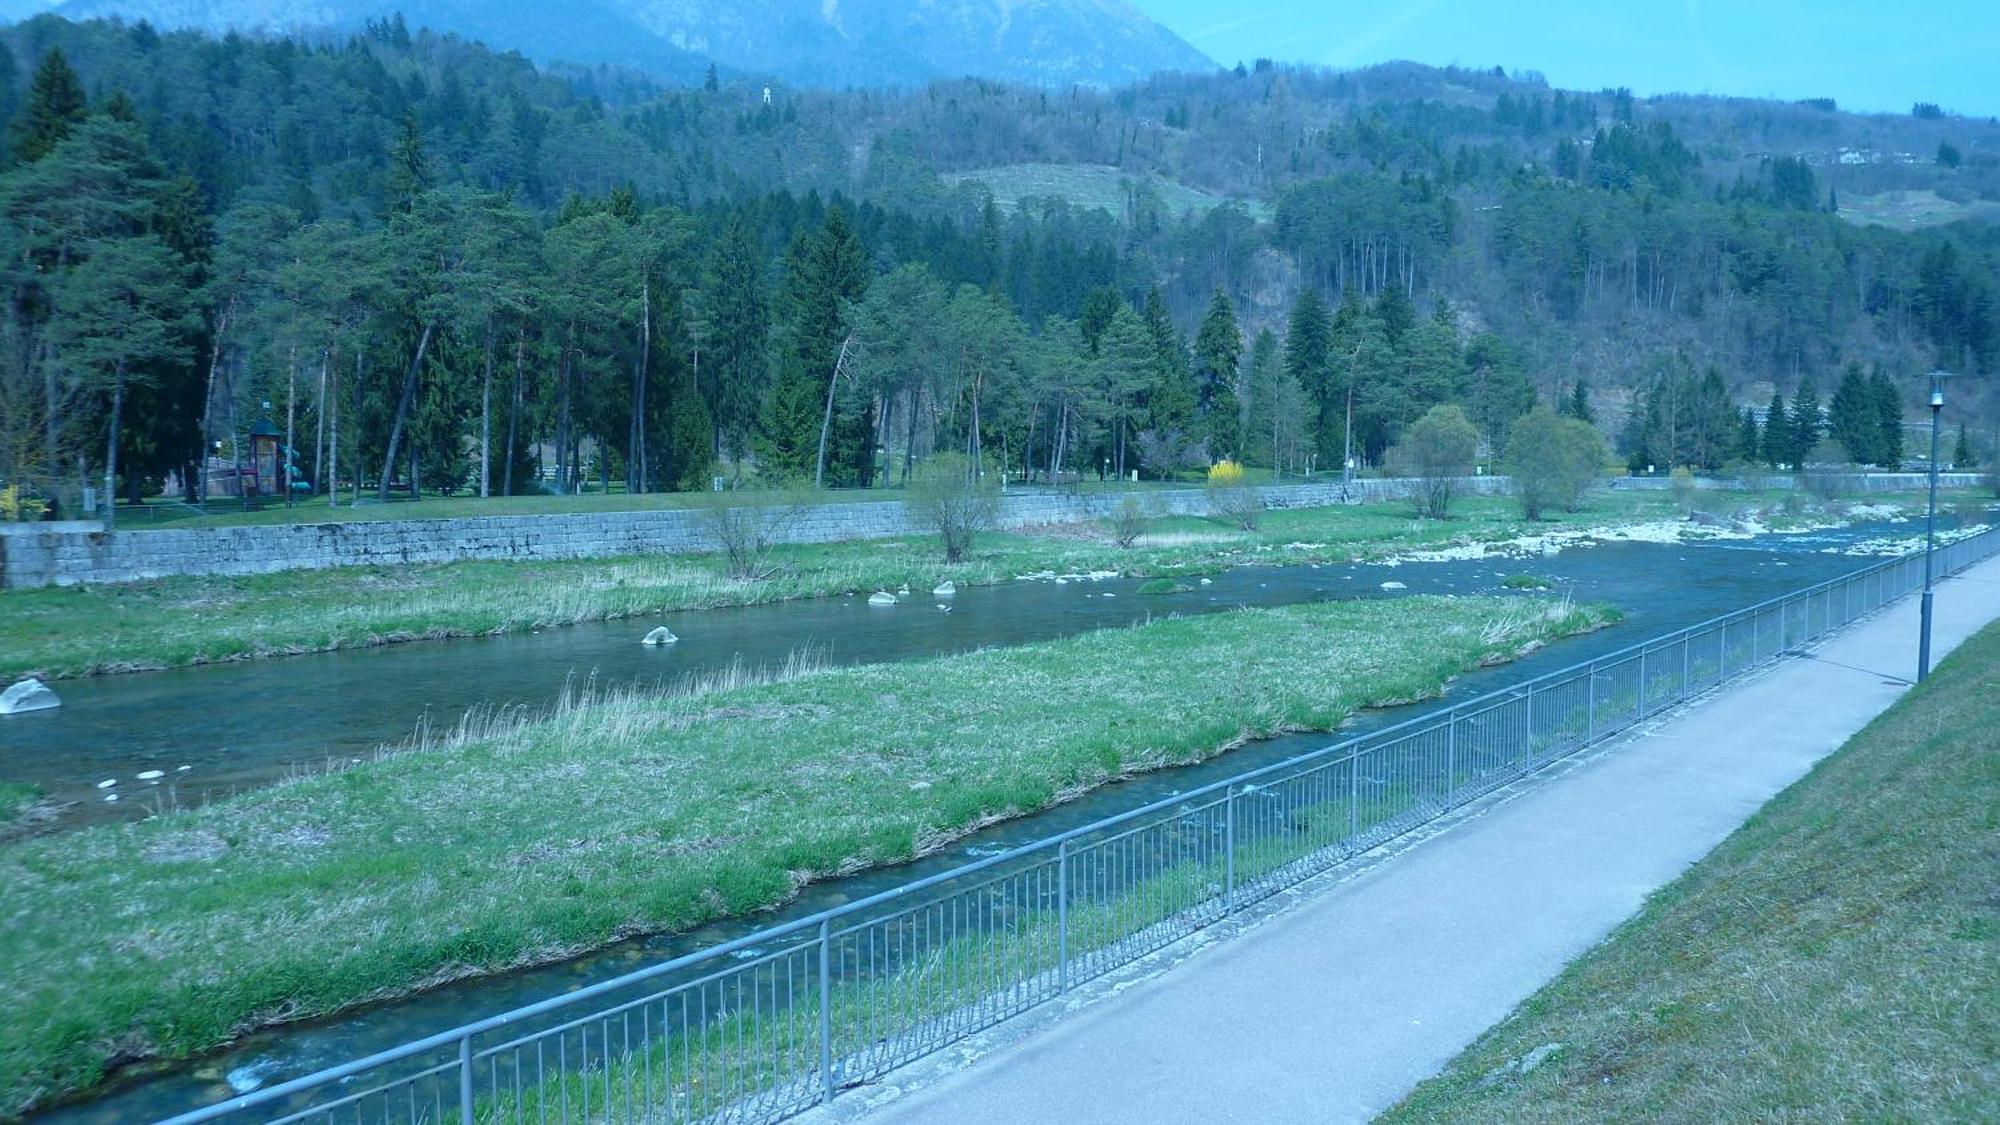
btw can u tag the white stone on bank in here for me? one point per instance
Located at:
(28, 695)
(660, 636)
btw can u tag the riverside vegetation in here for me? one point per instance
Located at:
(523, 839)
(172, 622)
(1833, 960)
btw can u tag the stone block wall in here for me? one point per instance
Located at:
(72, 554)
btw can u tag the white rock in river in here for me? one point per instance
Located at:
(152, 775)
(903, 593)
(945, 590)
(28, 695)
(1207, 582)
(881, 597)
(660, 636)
(107, 783)
(1394, 586)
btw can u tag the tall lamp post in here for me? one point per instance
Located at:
(1930, 532)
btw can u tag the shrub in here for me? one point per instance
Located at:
(1164, 586)
(1435, 453)
(1526, 582)
(953, 498)
(746, 526)
(1232, 496)
(16, 507)
(1553, 461)
(1130, 520)
(1684, 489)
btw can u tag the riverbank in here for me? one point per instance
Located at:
(522, 841)
(65, 632)
(1832, 960)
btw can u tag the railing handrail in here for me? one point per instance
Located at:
(1334, 752)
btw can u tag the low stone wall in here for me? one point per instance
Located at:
(72, 554)
(1839, 482)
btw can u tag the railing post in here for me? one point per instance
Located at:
(1062, 916)
(465, 1080)
(1450, 755)
(1590, 707)
(1642, 684)
(825, 1010)
(1354, 795)
(1687, 689)
(1229, 849)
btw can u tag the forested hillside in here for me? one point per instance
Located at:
(445, 269)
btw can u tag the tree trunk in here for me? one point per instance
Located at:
(319, 427)
(486, 419)
(291, 416)
(111, 448)
(403, 411)
(514, 413)
(208, 399)
(826, 419)
(333, 440)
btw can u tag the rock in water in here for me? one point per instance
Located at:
(1394, 586)
(660, 636)
(28, 695)
(945, 590)
(881, 597)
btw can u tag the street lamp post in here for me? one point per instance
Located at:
(1930, 532)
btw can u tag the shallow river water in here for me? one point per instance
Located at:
(238, 726)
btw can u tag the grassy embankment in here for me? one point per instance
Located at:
(1836, 959)
(532, 840)
(60, 632)
(17, 800)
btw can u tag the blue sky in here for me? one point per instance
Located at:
(1869, 56)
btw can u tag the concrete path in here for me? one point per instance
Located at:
(1335, 1008)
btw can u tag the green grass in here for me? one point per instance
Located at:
(16, 799)
(58, 632)
(1090, 186)
(1836, 959)
(1911, 210)
(522, 841)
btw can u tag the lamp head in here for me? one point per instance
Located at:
(1937, 388)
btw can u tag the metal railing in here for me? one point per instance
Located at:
(762, 1027)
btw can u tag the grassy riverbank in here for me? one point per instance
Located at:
(528, 841)
(16, 800)
(1836, 959)
(181, 621)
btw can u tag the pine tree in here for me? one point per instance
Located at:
(732, 362)
(1962, 456)
(1854, 417)
(1171, 397)
(55, 104)
(1805, 426)
(1751, 443)
(1777, 443)
(1308, 337)
(1579, 404)
(1888, 416)
(409, 167)
(824, 269)
(1218, 354)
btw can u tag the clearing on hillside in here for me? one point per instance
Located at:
(1099, 186)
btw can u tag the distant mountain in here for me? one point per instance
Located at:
(808, 42)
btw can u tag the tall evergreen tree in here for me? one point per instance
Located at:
(1854, 418)
(1750, 443)
(1578, 406)
(1777, 438)
(1308, 338)
(1218, 353)
(1171, 397)
(824, 270)
(55, 105)
(1806, 425)
(1963, 458)
(731, 360)
(1888, 416)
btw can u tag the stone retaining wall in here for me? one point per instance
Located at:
(1839, 482)
(83, 553)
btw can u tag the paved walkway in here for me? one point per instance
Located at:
(1334, 1009)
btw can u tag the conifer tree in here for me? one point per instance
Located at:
(55, 104)
(1805, 426)
(1888, 414)
(1218, 353)
(1579, 403)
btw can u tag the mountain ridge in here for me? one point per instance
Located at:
(822, 43)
